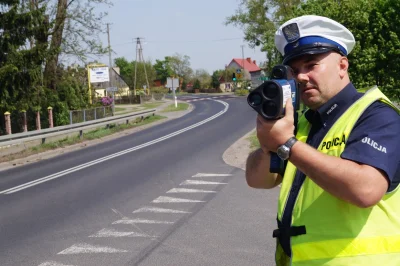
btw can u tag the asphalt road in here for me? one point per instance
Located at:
(161, 196)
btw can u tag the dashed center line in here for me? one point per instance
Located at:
(109, 157)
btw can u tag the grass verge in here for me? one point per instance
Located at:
(151, 105)
(119, 109)
(254, 143)
(94, 134)
(172, 108)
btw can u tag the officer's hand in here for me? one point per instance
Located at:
(272, 134)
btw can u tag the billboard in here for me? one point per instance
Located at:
(99, 74)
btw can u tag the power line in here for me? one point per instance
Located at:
(183, 41)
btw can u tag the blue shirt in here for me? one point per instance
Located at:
(375, 138)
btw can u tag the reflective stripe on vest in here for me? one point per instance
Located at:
(339, 233)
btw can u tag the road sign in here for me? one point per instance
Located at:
(263, 78)
(172, 83)
(112, 89)
(239, 76)
(238, 70)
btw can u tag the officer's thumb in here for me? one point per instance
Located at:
(289, 108)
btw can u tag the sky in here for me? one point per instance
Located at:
(188, 27)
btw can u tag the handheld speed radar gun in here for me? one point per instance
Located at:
(269, 101)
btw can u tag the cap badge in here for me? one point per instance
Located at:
(291, 32)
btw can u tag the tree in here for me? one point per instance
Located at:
(203, 76)
(259, 20)
(183, 85)
(375, 57)
(127, 72)
(163, 69)
(20, 66)
(180, 65)
(75, 31)
(20, 63)
(197, 84)
(215, 80)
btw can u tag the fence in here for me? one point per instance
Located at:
(79, 116)
(139, 99)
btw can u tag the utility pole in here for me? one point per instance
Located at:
(140, 58)
(242, 59)
(109, 53)
(110, 70)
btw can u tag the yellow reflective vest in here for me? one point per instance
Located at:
(337, 232)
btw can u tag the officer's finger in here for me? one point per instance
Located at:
(289, 112)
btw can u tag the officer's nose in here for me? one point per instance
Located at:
(302, 78)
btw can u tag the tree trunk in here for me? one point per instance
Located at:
(50, 72)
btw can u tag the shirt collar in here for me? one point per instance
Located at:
(332, 109)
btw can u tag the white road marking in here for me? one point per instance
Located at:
(158, 210)
(173, 200)
(189, 190)
(210, 175)
(200, 182)
(53, 263)
(140, 221)
(109, 157)
(87, 249)
(113, 233)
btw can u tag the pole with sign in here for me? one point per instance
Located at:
(173, 84)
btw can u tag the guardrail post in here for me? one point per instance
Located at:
(80, 134)
(84, 115)
(38, 127)
(104, 111)
(50, 110)
(24, 121)
(95, 115)
(8, 123)
(70, 117)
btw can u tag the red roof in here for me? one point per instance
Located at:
(249, 65)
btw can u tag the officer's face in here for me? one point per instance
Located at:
(320, 77)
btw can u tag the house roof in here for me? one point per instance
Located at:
(249, 65)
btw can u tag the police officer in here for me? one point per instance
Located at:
(339, 200)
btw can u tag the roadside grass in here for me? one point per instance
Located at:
(119, 109)
(172, 108)
(94, 134)
(151, 105)
(254, 143)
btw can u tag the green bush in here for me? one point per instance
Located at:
(241, 92)
(61, 114)
(159, 90)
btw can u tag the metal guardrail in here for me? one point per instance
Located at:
(19, 141)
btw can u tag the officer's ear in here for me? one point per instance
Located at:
(343, 66)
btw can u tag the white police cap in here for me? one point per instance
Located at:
(312, 35)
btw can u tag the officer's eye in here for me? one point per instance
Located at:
(311, 65)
